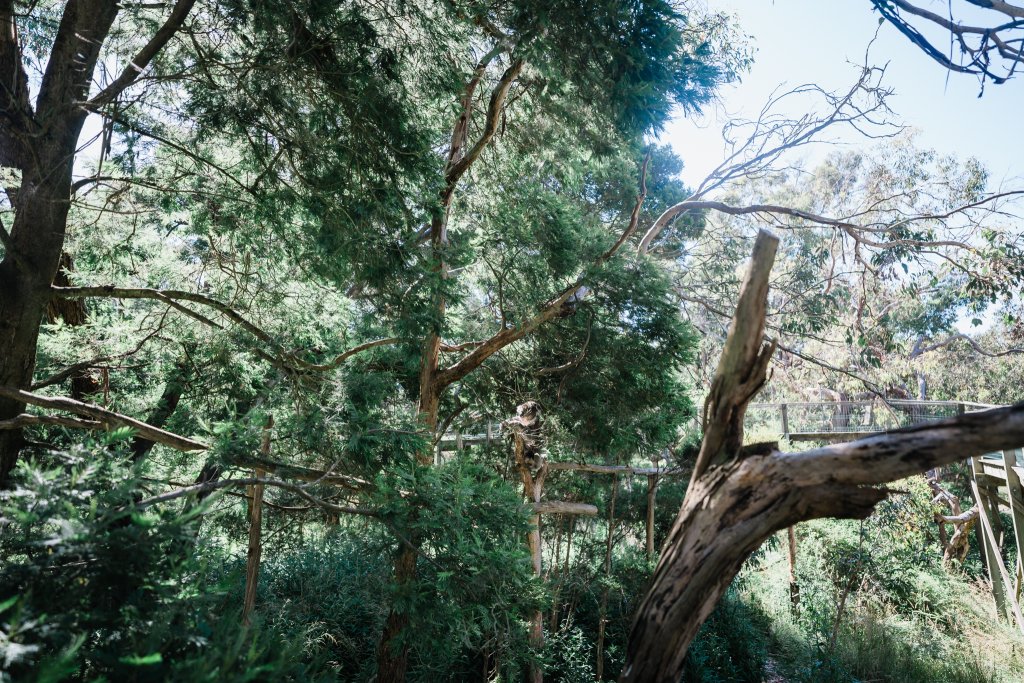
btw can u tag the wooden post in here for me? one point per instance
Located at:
(784, 410)
(252, 565)
(794, 587)
(603, 609)
(986, 539)
(1006, 586)
(1015, 494)
(525, 428)
(652, 493)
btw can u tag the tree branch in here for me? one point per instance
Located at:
(737, 500)
(142, 59)
(497, 101)
(852, 229)
(919, 349)
(894, 455)
(27, 420)
(741, 370)
(988, 41)
(171, 297)
(252, 481)
(548, 311)
(147, 431)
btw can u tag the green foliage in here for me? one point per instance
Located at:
(875, 604)
(92, 590)
(731, 646)
(475, 584)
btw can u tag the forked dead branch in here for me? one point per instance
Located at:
(738, 498)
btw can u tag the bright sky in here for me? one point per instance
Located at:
(815, 41)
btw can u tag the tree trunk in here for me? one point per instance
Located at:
(42, 145)
(393, 653)
(25, 276)
(252, 564)
(525, 428)
(794, 587)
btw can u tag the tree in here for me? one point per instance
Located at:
(922, 245)
(363, 233)
(39, 141)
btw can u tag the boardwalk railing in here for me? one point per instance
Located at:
(996, 487)
(845, 420)
(799, 421)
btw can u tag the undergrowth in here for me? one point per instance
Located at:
(905, 617)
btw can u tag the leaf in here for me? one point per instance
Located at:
(7, 604)
(143, 660)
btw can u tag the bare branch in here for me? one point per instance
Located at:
(252, 481)
(741, 370)
(919, 349)
(772, 135)
(27, 420)
(144, 430)
(559, 507)
(141, 60)
(613, 469)
(854, 230)
(982, 49)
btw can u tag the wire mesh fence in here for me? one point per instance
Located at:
(847, 417)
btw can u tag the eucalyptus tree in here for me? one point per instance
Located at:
(886, 252)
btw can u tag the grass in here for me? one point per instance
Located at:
(944, 630)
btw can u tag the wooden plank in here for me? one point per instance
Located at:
(1015, 490)
(1016, 493)
(611, 469)
(1005, 585)
(559, 507)
(986, 539)
(992, 469)
(830, 436)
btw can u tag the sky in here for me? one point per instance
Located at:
(823, 42)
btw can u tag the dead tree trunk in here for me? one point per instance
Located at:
(737, 499)
(525, 429)
(252, 565)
